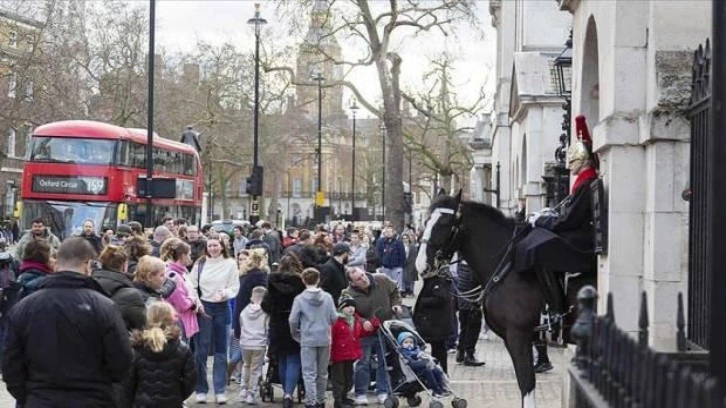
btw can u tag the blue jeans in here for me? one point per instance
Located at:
(288, 366)
(396, 274)
(214, 332)
(362, 367)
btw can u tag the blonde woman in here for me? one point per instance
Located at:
(177, 255)
(151, 281)
(215, 277)
(163, 372)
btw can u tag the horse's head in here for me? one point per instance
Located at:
(440, 237)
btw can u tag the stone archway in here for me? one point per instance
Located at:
(590, 89)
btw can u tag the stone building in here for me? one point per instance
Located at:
(631, 78)
(527, 108)
(631, 75)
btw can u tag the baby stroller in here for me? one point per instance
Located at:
(402, 380)
(272, 377)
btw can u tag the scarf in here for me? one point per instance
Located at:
(586, 175)
(348, 319)
(26, 265)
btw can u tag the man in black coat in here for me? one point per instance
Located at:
(470, 316)
(332, 273)
(89, 234)
(66, 343)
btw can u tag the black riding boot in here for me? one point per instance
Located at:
(460, 356)
(471, 361)
(543, 361)
(553, 292)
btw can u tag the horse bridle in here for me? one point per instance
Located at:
(443, 255)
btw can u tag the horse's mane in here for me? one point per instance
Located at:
(477, 208)
(489, 212)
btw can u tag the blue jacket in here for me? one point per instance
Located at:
(391, 252)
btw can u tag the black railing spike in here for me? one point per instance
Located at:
(610, 312)
(681, 325)
(643, 321)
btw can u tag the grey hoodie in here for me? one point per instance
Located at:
(253, 328)
(312, 314)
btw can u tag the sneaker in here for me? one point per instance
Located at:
(201, 398)
(221, 399)
(287, 402)
(250, 399)
(381, 398)
(361, 400)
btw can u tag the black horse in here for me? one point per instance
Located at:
(512, 306)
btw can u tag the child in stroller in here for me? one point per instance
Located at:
(422, 364)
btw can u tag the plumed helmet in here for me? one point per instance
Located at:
(582, 149)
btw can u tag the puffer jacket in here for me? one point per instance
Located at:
(32, 274)
(65, 345)
(281, 292)
(164, 379)
(128, 300)
(345, 343)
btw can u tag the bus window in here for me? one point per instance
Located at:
(72, 150)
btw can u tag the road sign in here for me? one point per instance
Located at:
(255, 208)
(319, 198)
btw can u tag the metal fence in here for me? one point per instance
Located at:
(611, 368)
(699, 282)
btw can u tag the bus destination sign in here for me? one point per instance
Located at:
(70, 185)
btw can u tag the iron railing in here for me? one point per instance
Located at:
(611, 368)
(699, 280)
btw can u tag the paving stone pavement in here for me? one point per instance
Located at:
(491, 386)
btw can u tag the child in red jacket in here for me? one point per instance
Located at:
(345, 349)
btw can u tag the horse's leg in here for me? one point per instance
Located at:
(519, 346)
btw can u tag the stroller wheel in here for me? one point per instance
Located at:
(459, 403)
(414, 401)
(436, 404)
(391, 402)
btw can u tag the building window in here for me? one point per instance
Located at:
(29, 90)
(13, 39)
(12, 84)
(297, 187)
(11, 143)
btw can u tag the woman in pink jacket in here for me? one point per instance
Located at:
(176, 254)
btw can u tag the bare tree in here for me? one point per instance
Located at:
(373, 26)
(434, 137)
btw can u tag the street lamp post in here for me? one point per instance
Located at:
(383, 186)
(257, 22)
(150, 117)
(354, 109)
(318, 77)
(559, 176)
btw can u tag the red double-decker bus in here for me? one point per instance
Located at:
(78, 170)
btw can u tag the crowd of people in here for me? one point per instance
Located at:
(129, 317)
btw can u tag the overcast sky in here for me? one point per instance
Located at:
(181, 23)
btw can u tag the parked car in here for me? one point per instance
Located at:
(227, 226)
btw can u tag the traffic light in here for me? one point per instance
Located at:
(254, 182)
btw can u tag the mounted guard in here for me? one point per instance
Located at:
(561, 239)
